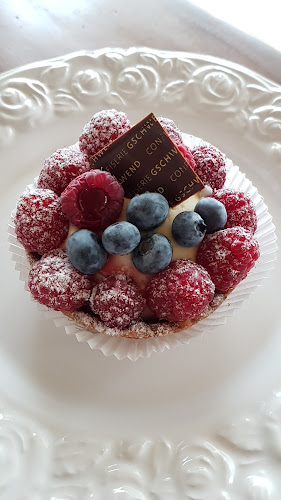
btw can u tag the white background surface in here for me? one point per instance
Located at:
(259, 19)
(37, 29)
(229, 385)
(202, 421)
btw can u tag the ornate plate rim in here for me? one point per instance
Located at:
(138, 49)
(243, 460)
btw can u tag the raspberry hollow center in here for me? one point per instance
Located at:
(91, 202)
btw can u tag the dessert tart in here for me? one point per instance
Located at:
(132, 231)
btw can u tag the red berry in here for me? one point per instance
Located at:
(171, 129)
(40, 223)
(93, 200)
(54, 282)
(103, 128)
(228, 255)
(61, 168)
(210, 165)
(239, 207)
(182, 291)
(117, 301)
(186, 153)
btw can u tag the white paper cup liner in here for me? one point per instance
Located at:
(143, 348)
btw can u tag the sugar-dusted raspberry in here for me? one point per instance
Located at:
(117, 301)
(54, 282)
(40, 223)
(239, 207)
(182, 291)
(93, 200)
(103, 128)
(210, 165)
(171, 129)
(186, 153)
(61, 168)
(228, 255)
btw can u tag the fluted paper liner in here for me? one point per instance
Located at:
(136, 348)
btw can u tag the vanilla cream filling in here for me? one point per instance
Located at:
(165, 228)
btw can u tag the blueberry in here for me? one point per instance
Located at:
(188, 229)
(153, 254)
(213, 213)
(147, 211)
(85, 251)
(120, 238)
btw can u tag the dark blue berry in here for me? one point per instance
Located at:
(147, 211)
(213, 213)
(188, 229)
(85, 251)
(153, 254)
(120, 238)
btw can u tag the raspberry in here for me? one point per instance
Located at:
(228, 255)
(239, 207)
(61, 168)
(186, 153)
(171, 129)
(103, 128)
(93, 200)
(117, 301)
(54, 282)
(40, 223)
(210, 165)
(182, 291)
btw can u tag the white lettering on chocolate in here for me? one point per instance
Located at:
(143, 182)
(139, 135)
(186, 189)
(178, 173)
(129, 172)
(164, 161)
(154, 145)
(113, 163)
(97, 156)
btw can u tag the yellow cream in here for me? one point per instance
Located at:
(179, 252)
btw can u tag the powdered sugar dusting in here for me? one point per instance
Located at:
(54, 282)
(61, 168)
(117, 301)
(140, 329)
(134, 349)
(40, 224)
(182, 291)
(103, 128)
(210, 165)
(228, 255)
(171, 129)
(239, 207)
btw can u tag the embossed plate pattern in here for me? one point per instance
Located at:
(202, 422)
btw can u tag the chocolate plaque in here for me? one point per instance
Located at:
(145, 159)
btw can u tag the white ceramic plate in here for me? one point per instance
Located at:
(201, 422)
